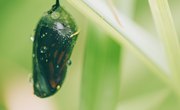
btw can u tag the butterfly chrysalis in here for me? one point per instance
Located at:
(55, 37)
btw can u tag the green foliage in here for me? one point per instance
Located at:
(101, 78)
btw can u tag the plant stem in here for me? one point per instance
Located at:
(167, 32)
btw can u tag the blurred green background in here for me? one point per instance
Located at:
(134, 86)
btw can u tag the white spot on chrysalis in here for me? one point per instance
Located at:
(57, 66)
(55, 15)
(32, 39)
(59, 25)
(33, 55)
(58, 87)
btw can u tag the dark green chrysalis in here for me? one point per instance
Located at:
(54, 39)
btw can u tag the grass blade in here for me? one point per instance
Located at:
(100, 80)
(132, 36)
(167, 32)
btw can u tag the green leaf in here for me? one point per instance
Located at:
(100, 80)
(167, 32)
(129, 34)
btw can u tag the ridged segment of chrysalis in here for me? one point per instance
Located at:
(54, 39)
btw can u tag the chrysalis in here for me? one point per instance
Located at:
(54, 39)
